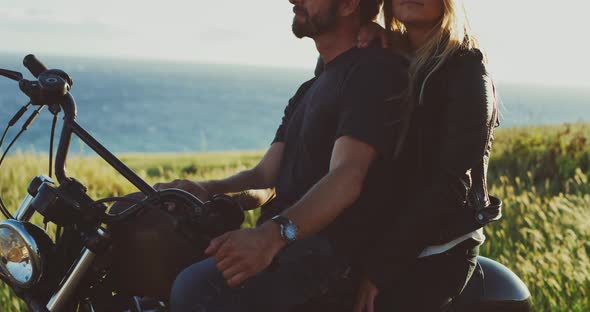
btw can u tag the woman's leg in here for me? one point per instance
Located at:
(431, 283)
(305, 269)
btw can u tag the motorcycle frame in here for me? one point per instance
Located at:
(71, 126)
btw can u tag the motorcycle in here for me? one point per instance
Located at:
(126, 258)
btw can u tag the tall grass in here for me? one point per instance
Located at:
(541, 174)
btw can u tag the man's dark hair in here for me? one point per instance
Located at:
(369, 9)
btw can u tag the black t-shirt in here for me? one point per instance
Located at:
(352, 96)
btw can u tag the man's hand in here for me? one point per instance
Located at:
(195, 188)
(365, 298)
(244, 253)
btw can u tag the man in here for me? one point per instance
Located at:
(326, 152)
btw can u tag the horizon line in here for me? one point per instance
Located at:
(185, 61)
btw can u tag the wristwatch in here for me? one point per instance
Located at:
(288, 228)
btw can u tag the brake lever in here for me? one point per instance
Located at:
(32, 90)
(16, 76)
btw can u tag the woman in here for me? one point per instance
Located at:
(426, 257)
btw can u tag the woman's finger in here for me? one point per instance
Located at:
(369, 303)
(364, 36)
(384, 39)
(359, 42)
(360, 303)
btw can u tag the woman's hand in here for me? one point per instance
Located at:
(370, 32)
(365, 298)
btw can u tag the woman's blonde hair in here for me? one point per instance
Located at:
(451, 33)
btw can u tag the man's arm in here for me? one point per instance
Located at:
(263, 176)
(336, 191)
(362, 131)
(243, 253)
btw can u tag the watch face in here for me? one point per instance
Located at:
(290, 232)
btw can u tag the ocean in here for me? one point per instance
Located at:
(150, 106)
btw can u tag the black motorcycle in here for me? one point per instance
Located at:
(126, 258)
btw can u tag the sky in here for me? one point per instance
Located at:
(527, 41)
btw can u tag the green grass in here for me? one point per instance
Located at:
(541, 174)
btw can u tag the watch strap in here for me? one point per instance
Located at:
(285, 224)
(282, 220)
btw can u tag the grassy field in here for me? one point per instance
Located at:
(540, 173)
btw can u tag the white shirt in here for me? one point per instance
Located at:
(438, 249)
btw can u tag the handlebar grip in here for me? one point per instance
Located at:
(34, 65)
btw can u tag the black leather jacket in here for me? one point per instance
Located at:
(440, 175)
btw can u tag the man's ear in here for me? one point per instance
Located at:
(348, 7)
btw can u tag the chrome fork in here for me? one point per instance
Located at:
(68, 287)
(25, 211)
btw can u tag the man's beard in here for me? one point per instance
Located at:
(317, 24)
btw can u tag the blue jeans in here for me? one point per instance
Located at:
(305, 269)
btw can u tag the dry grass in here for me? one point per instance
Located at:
(540, 173)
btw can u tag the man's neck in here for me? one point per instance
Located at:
(333, 43)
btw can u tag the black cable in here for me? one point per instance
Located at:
(13, 121)
(10, 145)
(51, 144)
(4, 135)
(110, 218)
(23, 129)
(25, 126)
(4, 210)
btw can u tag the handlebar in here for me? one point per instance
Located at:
(53, 89)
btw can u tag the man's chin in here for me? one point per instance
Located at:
(298, 35)
(300, 30)
(301, 33)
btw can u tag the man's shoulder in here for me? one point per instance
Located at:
(378, 56)
(377, 66)
(305, 86)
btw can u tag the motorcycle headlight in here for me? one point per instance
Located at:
(21, 258)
